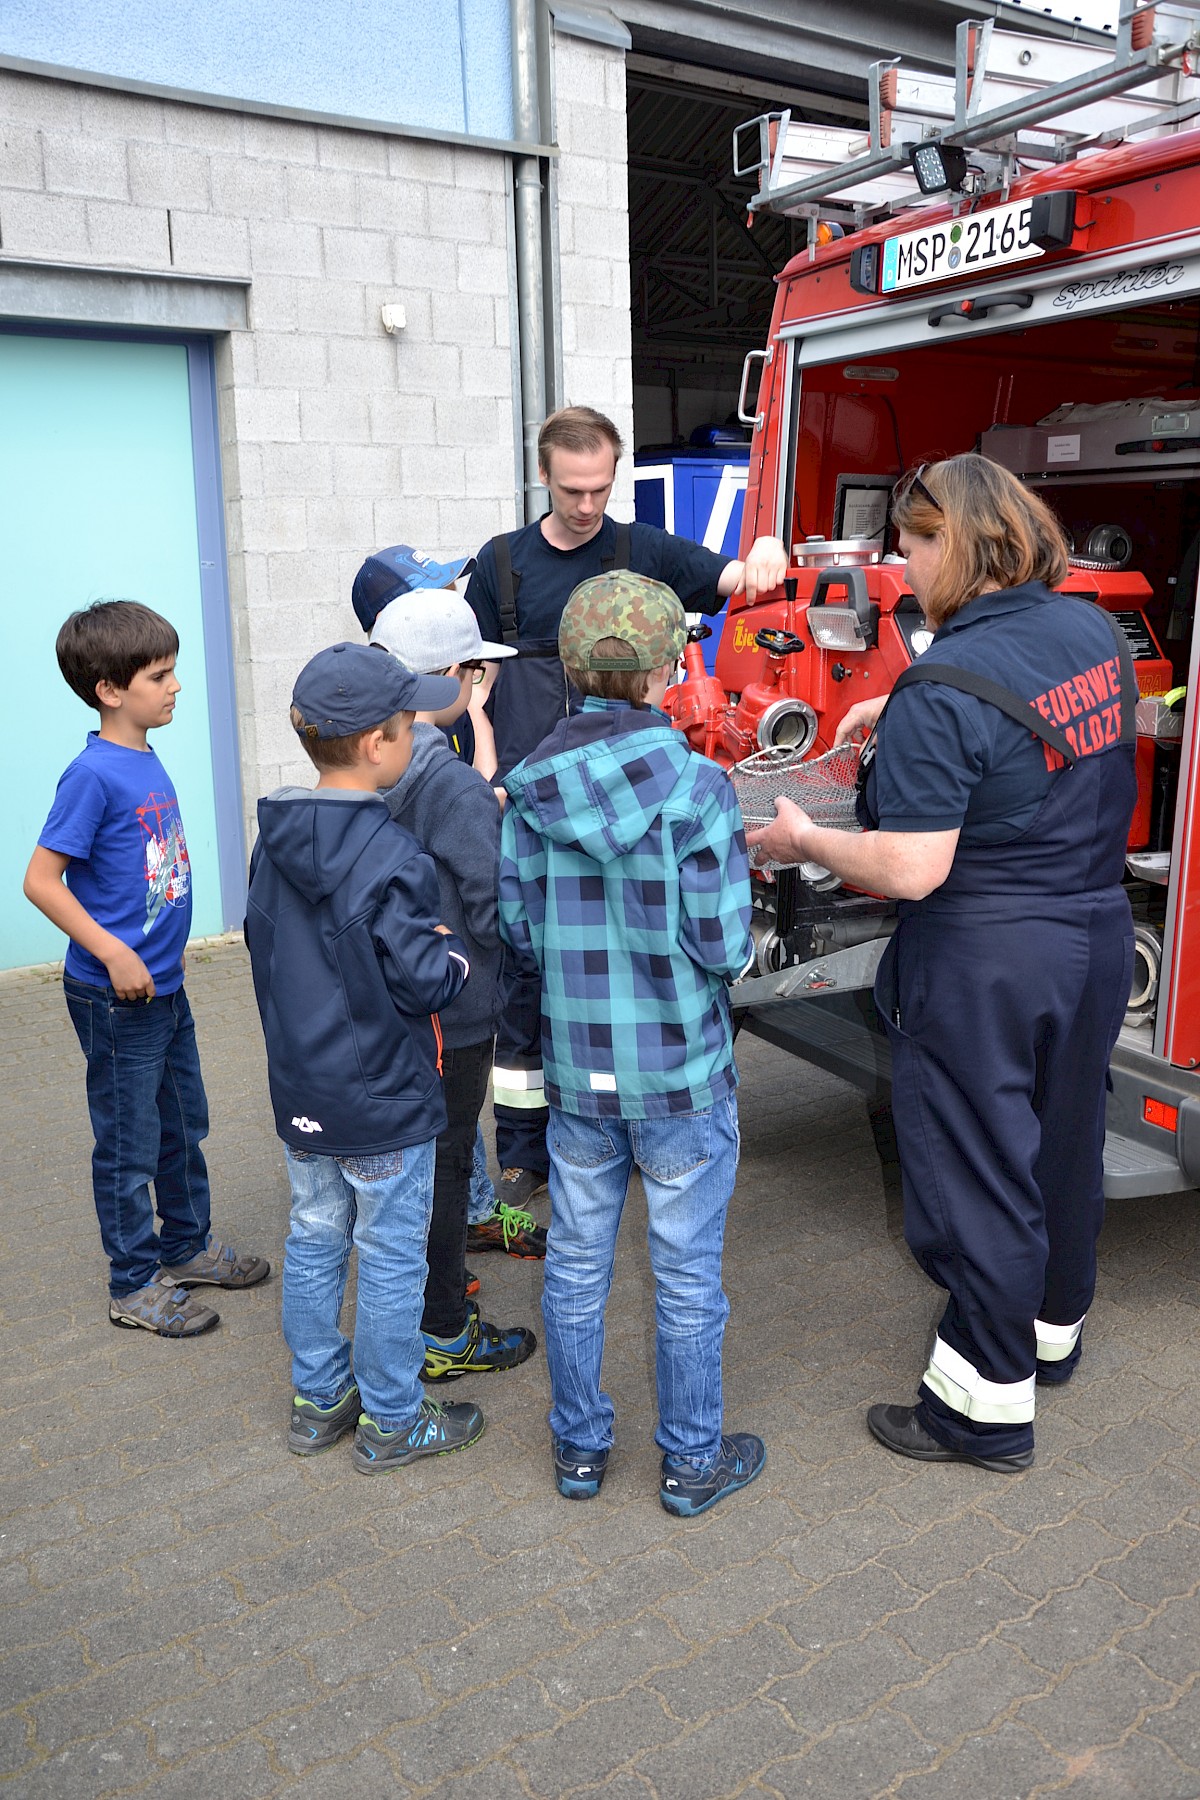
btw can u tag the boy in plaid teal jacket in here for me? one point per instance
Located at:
(623, 872)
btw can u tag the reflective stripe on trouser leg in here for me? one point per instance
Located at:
(960, 1386)
(522, 1089)
(1054, 1342)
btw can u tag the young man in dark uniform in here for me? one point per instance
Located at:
(519, 588)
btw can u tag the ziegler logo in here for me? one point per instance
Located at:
(743, 636)
(303, 1123)
(1126, 281)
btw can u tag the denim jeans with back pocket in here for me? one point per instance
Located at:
(379, 1205)
(149, 1115)
(688, 1164)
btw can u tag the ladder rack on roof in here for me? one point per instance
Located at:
(1017, 102)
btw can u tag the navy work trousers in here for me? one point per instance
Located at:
(1001, 1028)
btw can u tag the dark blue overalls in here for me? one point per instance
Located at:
(1002, 994)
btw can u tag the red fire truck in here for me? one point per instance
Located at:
(1008, 261)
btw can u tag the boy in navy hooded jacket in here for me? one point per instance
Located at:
(351, 965)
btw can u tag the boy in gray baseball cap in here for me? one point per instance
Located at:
(451, 810)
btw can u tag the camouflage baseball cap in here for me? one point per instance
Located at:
(642, 614)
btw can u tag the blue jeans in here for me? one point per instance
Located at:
(688, 1165)
(481, 1203)
(149, 1115)
(381, 1206)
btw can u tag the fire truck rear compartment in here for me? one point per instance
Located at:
(1128, 495)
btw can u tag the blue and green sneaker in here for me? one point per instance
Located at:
(435, 1431)
(690, 1487)
(315, 1428)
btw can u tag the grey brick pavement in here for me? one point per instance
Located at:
(182, 1603)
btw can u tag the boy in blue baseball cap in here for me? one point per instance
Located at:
(351, 967)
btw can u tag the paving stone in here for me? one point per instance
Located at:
(239, 1771)
(47, 1614)
(1138, 1767)
(88, 1770)
(727, 1673)
(353, 1776)
(1149, 1502)
(1074, 1624)
(624, 1653)
(1167, 1643)
(845, 1606)
(163, 1616)
(27, 1673)
(855, 1762)
(1058, 1556)
(458, 1660)
(261, 1633)
(840, 1684)
(847, 1542)
(129, 1691)
(1095, 1703)
(496, 1781)
(16, 1743)
(471, 1730)
(709, 1762)
(339, 1724)
(219, 1711)
(957, 1616)
(609, 1596)
(1007, 1764)
(736, 1597)
(1178, 1726)
(973, 1691)
(1165, 1563)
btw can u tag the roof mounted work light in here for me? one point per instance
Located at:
(938, 167)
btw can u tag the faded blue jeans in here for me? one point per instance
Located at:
(149, 1115)
(379, 1205)
(688, 1165)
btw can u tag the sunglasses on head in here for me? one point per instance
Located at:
(908, 482)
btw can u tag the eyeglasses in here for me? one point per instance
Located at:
(907, 483)
(478, 671)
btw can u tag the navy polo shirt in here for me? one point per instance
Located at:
(946, 760)
(549, 576)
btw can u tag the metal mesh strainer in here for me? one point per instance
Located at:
(824, 785)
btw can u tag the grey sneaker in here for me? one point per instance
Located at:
(316, 1427)
(163, 1308)
(219, 1265)
(435, 1431)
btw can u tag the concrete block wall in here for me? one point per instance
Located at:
(335, 437)
(592, 190)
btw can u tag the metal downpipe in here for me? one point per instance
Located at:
(527, 200)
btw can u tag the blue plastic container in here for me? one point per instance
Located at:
(699, 491)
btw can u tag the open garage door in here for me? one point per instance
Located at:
(701, 283)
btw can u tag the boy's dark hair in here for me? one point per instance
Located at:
(629, 685)
(110, 640)
(341, 752)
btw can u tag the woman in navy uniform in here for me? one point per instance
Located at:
(997, 794)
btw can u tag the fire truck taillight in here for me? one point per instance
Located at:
(1157, 1112)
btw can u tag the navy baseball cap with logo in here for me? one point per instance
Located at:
(399, 570)
(354, 687)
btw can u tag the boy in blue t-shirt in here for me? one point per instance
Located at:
(111, 870)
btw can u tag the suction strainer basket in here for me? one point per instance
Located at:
(823, 785)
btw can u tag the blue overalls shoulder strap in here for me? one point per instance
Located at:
(508, 579)
(1022, 711)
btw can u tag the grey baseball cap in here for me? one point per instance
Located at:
(432, 628)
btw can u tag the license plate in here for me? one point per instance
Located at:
(974, 244)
